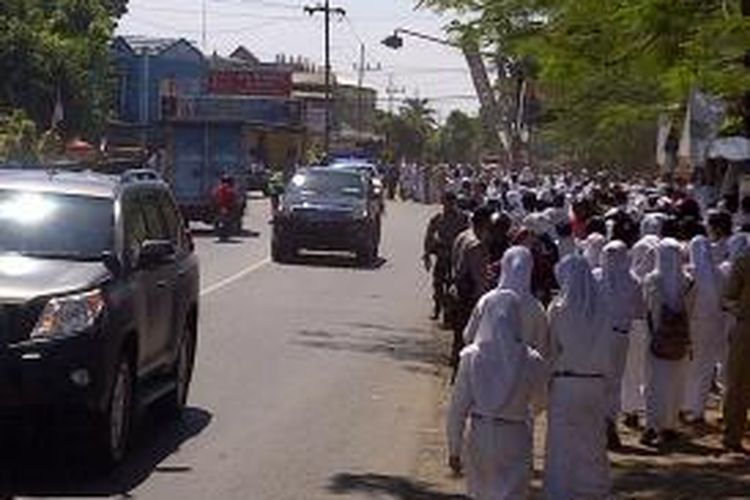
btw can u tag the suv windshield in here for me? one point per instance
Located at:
(55, 225)
(329, 183)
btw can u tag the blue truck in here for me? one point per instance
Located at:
(200, 153)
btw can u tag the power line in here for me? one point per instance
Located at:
(194, 12)
(264, 3)
(456, 97)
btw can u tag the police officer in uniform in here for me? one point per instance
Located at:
(442, 232)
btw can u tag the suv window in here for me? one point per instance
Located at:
(134, 226)
(172, 220)
(156, 226)
(55, 225)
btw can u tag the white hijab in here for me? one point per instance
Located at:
(706, 277)
(592, 249)
(582, 315)
(643, 257)
(737, 246)
(670, 273)
(651, 224)
(516, 268)
(618, 284)
(498, 356)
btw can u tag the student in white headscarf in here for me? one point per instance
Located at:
(706, 329)
(517, 266)
(499, 377)
(651, 224)
(566, 243)
(577, 465)
(643, 262)
(623, 297)
(737, 246)
(665, 288)
(592, 249)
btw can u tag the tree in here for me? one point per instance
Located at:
(58, 50)
(20, 139)
(410, 132)
(460, 138)
(605, 68)
(416, 126)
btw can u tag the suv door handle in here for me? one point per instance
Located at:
(162, 284)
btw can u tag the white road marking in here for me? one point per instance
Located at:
(233, 279)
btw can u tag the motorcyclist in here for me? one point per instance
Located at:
(226, 203)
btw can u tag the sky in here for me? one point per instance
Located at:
(272, 27)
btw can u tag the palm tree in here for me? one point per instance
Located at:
(418, 125)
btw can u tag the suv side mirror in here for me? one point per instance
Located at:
(155, 252)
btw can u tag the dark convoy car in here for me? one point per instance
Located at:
(98, 301)
(327, 209)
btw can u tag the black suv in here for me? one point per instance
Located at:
(99, 295)
(327, 209)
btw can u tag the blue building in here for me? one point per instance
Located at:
(150, 70)
(194, 118)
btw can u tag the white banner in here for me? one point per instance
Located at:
(662, 137)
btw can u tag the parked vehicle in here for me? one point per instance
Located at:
(258, 178)
(327, 209)
(98, 301)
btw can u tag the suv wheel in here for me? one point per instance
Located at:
(280, 251)
(113, 426)
(368, 253)
(174, 403)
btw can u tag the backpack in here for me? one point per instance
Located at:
(670, 338)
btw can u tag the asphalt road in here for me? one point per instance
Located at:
(313, 380)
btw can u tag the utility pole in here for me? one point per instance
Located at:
(203, 28)
(327, 10)
(392, 92)
(362, 68)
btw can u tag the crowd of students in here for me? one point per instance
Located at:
(597, 303)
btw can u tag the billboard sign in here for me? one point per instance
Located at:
(269, 83)
(262, 111)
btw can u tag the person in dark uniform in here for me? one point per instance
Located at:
(442, 232)
(471, 274)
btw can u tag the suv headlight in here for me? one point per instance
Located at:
(360, 213)
(69, 314)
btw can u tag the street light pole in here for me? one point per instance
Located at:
(327, 10)
(497, 125)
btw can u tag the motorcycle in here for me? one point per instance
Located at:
(225, 224)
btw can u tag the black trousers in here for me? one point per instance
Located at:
(441, 275)
(463, 311)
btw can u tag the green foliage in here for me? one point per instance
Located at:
(410, 133)
(413, 135)
(461, 139)
(19, 144)
(608, 68)
(50, 48)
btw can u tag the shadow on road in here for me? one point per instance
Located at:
(335, 260)
(704, 480)
(399, 488)
(208, 233)
(44, 467)
(420, 353)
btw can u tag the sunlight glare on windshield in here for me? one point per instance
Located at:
(16, 265)
(27, 209)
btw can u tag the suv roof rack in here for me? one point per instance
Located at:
(140, 175)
